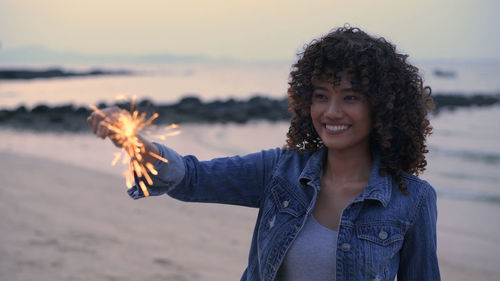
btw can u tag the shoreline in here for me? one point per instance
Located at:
(208, 141)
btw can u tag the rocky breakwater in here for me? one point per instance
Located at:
(28, 74)
(187, 110)
(193, 110)
(447, 101)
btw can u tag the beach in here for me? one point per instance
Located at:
(66, 215)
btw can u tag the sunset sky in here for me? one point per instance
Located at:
(248, 29)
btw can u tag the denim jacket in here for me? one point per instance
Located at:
(381, 232)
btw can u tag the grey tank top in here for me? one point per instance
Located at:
(312, 255)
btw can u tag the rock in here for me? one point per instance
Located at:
(40, 109)
(191, 109)
(456, 100)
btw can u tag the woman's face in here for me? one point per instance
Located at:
(341, 116)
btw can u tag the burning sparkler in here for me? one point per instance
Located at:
(124, 127)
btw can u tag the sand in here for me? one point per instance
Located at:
(63, 222)
(66, 216)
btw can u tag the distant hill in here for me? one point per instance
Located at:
(28, 74)
(39, 54)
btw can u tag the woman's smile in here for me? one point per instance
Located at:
(337, 129)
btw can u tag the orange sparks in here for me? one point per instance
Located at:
(97, 110)
(172, 126)
(117, 157)
(129, 179)
(144, 189)
(137, 168)
(171, 134)
(158, 157)
(151, 169)
(124, 127)
(121, 97)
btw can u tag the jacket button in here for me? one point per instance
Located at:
(382, 234)
(285, 203)
(346, 247)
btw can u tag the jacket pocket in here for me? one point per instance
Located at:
(280, 206)
(281, 216)
(285, 202)
(280, 213)
(378, 249)
(383, 234)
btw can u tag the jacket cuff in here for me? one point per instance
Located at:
(169, 174)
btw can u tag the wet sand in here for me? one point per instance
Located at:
(66, 216)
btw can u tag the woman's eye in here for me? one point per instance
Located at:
(320, 96)
(351, 98)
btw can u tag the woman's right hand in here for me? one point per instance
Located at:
(99, 121)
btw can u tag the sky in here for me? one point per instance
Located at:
(248, 29)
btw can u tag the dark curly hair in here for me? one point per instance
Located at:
(395, 91)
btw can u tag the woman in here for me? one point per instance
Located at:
(341, 201)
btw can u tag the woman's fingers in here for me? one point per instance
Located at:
(100, 121)
(96, 120)
(91, 121)
(102, 130)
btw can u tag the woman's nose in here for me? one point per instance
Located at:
(334, 110)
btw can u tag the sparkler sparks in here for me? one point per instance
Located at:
(125, 126)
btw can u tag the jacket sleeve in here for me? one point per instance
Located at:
(237, 180)
(418, 259)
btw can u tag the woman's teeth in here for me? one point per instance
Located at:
(337, 127)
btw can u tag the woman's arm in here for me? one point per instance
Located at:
(237, 180)
(418, 260)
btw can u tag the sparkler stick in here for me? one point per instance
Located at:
(125, 127)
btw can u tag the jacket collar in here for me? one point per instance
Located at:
(378, 188)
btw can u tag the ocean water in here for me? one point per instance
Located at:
(464, 154)
(162, 83)
(464, 158)
(167, 83)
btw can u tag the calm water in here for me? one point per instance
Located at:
(169, 82)
(464, 160)
(157, 82)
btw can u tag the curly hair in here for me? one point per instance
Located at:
(399, 102)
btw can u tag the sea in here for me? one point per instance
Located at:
(464, 157)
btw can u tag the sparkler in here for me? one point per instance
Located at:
(125, 127)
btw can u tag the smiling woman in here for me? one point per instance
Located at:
(393, 88)
(354, 96)
(341, 201)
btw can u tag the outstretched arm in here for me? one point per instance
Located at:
(239, 180)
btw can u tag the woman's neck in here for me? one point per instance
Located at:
(348, 166)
